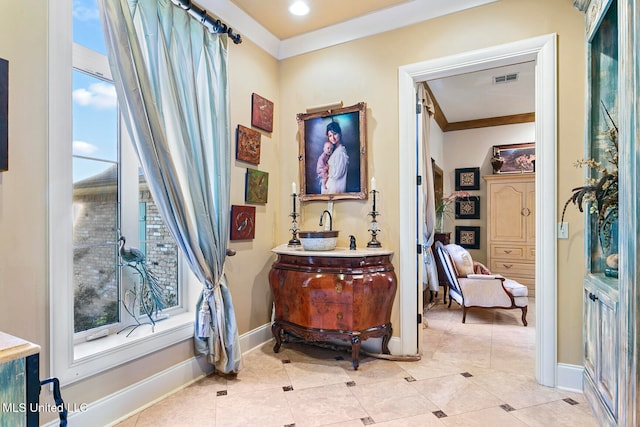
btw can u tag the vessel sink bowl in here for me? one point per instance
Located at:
(318, 240)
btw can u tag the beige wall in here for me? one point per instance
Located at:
(363, 70)
(253, 70)
(23, 249)
(366, 70)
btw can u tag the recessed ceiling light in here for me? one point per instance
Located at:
(299, 8)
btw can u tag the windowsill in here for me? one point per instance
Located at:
(92, 357)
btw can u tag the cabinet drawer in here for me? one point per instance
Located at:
(326, 288)
(512, 268)
(336, 316)
(531, 253)
(512, 252)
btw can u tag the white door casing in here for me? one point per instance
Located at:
(542, 50)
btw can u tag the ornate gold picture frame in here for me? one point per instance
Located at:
(333, 154)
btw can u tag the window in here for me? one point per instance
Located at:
(93, 294)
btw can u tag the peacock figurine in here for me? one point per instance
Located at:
(151, 296)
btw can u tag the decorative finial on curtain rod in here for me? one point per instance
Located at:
(215, 25)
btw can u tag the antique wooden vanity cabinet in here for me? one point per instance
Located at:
(334, 295)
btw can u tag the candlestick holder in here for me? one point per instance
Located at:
(294, 224)
(373, 227)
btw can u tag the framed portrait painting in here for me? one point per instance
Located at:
(468, 237)
(518, 158)
(333, 154)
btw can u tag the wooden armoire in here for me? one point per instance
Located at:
(511, 227)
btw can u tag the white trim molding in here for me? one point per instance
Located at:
(387, 19)
(570, 377)
(542, 50)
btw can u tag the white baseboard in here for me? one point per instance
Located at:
(569, 377)
(255, 338)
(126, 402)
(120, 405)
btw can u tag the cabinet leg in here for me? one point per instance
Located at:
(355, 352)
(385, 342)
(276, 331)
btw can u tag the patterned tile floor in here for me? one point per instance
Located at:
(476, 374)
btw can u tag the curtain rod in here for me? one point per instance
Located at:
(214, 24)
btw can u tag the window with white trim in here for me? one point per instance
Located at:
(97, 300)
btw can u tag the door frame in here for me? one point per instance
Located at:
(542, 50)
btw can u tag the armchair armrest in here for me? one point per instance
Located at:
(484, 292)
(484, 276)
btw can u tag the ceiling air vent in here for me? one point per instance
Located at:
(507, 78)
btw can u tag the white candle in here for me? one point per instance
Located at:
(373, 183)
(293, 187)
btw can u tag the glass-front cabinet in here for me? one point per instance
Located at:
(610, 291)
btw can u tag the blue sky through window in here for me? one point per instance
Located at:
(87, 28)
(94, 101)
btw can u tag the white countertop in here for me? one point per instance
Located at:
(338, 252)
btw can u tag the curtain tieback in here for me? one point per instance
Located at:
(204, 315)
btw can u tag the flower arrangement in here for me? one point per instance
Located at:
(600, 192)
(443, 206)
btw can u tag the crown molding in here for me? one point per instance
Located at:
(405, 14)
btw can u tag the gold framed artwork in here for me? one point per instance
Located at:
(248, 145)
(333, 153)
(256, 186)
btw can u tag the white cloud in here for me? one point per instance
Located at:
(84, 12)
(83, 148)
(98, 95)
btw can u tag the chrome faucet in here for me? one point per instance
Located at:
(330, 219)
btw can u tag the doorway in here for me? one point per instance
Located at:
(541, 50)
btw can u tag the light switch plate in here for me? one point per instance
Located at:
(563, 230)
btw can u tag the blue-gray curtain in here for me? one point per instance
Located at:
(170, 74)
(430, 273)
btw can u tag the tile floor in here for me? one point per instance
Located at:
(476, 374)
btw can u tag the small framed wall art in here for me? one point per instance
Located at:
(257, 186)
(468, 237)
(243, 221)
(468, 207)
(248, 145)
(467, 179)
(261, 113)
